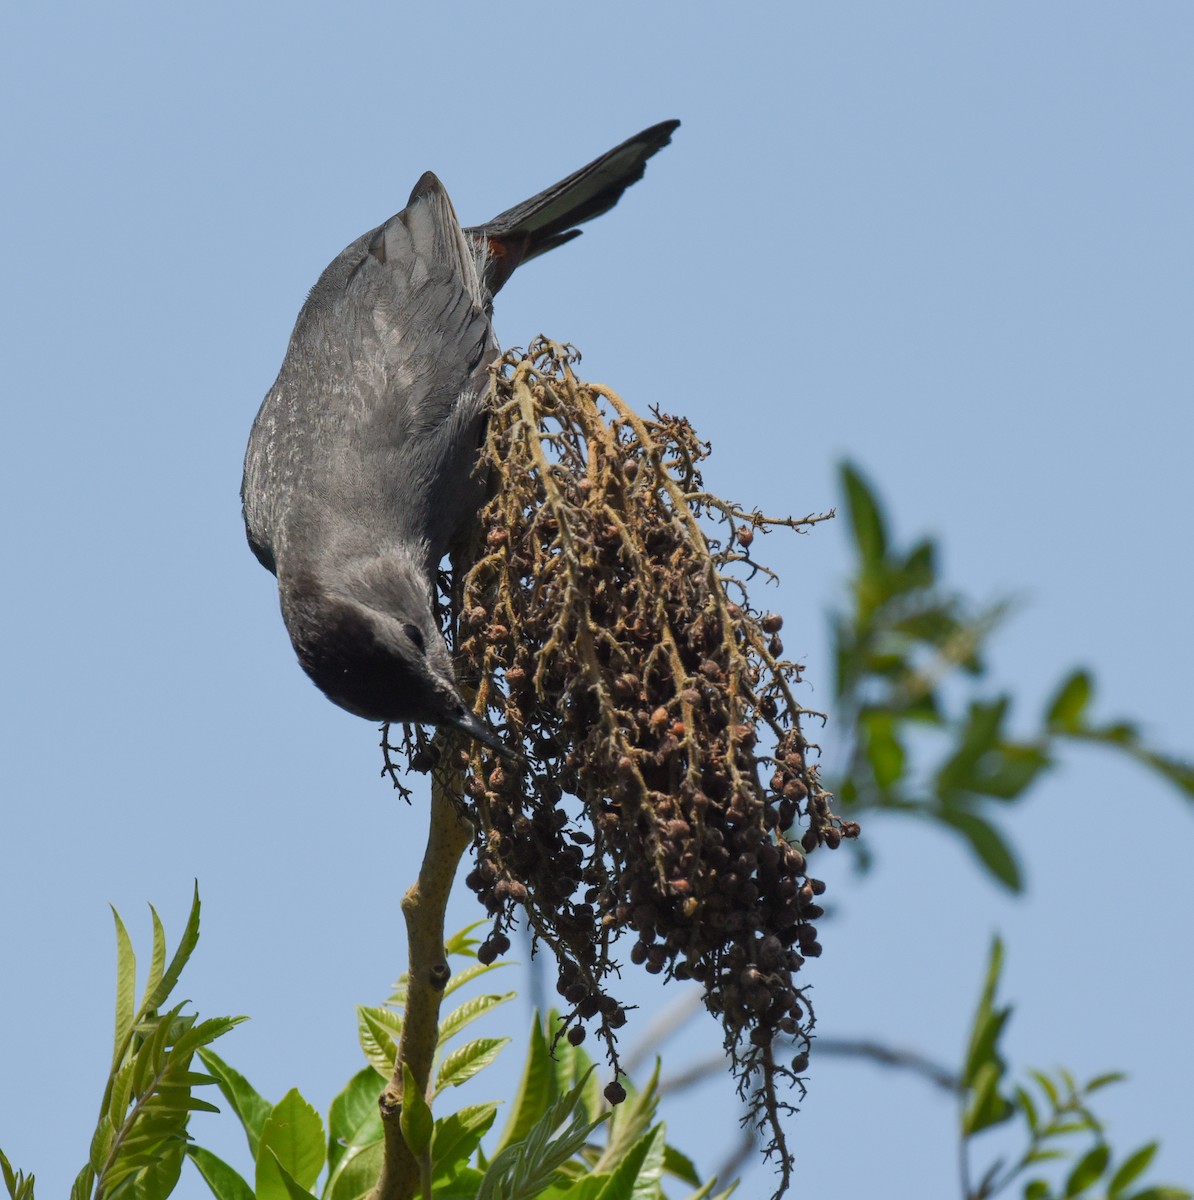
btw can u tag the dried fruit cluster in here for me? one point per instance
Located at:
(606, 626)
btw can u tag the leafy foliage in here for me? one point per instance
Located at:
(141, 1137)
(547, 1150)
(903, 650)
(1058, 1122)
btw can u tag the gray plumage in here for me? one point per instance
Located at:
(359, 474)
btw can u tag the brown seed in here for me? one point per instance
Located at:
(659, 717)
(772, 622)
(615, 1093)
(745, 535)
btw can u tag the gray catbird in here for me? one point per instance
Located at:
(359, 476)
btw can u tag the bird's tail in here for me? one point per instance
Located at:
(549, 219)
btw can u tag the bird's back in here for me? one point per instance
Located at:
(369, 436)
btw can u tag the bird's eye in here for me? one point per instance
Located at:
(416, 635)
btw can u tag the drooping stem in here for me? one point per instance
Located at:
(423, 906)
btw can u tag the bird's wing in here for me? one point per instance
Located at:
(371, 430)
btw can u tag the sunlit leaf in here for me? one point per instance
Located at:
(379, 1030)
(463, 1016)
(1132, 1168)
(126, 987)
(462, 942)
(680, 1166)
(865, 515)
(637, 1175)
(457, 1136)
(473, 972)
(1068, 707)
(251, 1107)
(293, 1135)
(277, 1179)
(990, 846)
(1087, 1171)
(884, 752)
(537, 1089)
(353, 1107)
(1102, 1081)
(225, 1183)
(468, 1060)
(186, 945)
(417, 1122)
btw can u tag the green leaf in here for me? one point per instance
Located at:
(350, 1110)
(416, 1120)
(225, 1183)
(251, 1107)
(157, 1179)
(884, 752)
(990, 846)
(461, 1065)
(1028, 1108)
(457, 1136)
(1102, 1081)
(629, 1123)
(637, 1176)
(379, 1030)
(81, 1188)
(978, 736)
(357, 1171)
(1036, 1189)
(537, 1089)
(1090, 1166)
(157, 961)
(463, 1186)
(1047, 1086)
(474, 972)
(987, 1107)
(528, 1166)
(1175, 770)
(1067, 709)
(1132, 1168)
(462, 942)
(584, 1187)
(293, 1135)
(1162, 1193)
(460, 1018)
(126, 988)
(680, 1166)
(985, 1029)
(17, 1183)
(866, 518)
(276, 1176)
(705, 1191)
(190, 938)
(1036, 1156)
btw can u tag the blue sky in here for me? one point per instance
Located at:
(952, 242)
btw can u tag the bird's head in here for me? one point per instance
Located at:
(368, 638)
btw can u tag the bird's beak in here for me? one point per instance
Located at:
(462, 718)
